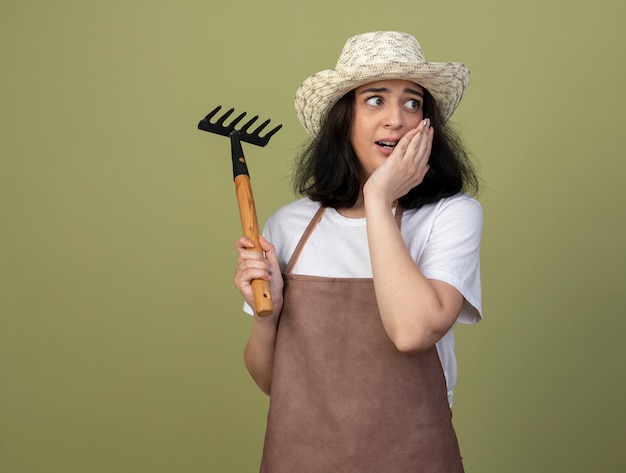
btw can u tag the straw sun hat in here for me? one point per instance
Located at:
(378, 56)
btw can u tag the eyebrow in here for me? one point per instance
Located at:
(378, 90)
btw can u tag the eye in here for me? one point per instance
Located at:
(374, 101)
(413, 104)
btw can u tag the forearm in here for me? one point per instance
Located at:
(416, 312)
(259, 351)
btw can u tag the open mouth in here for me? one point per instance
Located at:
(387, 144)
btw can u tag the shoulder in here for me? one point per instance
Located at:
(462, 201)
(294, 214)
(286, 225)
(459, 203)
(460, 208)
(449, 222)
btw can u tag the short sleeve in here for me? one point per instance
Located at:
(452, 252)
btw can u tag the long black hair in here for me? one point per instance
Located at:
(327, 170)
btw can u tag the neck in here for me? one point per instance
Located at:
(356, 211)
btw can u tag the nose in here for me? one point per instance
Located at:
(393, 117)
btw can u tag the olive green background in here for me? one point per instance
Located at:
(120, 330)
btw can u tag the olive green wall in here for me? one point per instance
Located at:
(120, 329)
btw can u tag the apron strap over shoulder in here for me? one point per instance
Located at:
(305, 237)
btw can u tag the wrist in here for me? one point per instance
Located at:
(374, 201)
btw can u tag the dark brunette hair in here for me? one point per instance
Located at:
(328, 170)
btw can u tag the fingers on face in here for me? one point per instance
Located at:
(419, 146)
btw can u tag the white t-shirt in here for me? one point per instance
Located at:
(443, 239)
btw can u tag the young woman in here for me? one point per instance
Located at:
(369, 271)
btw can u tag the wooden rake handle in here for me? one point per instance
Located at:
(263, 305)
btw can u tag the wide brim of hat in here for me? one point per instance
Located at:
(446, 82)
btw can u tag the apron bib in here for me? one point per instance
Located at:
(343, 398)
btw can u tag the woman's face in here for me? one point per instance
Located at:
(383, 112)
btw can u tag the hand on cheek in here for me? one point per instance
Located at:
(410, 158)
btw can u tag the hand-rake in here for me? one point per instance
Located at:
(247, 211)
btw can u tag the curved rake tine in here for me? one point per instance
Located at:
(236, 120)
(248, 124)
(213, 112)
(206, 121)
(222, 119)
(271, 133)
(263, 140)
(259, 129)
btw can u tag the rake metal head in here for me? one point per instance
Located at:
(244, 135)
